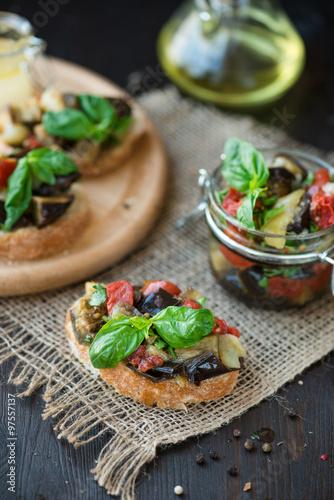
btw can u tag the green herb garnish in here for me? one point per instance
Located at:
(98, 296)
(178, 327)
(42, 164)
(97, 120)
(309, 179)
(245, 170)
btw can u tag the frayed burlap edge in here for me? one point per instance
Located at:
(83, 406)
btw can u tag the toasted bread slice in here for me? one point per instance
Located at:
(173, 393)
(32, 243)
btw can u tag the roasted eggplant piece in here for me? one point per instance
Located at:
(291, 165)
(250, 278)
(61, 186)
(47, 210)
(279, 224)
(201, 367)
(27, 113)
(71, 100)
(302, 218)
(122, 108)
(157, 301)
(279, 182)
(24, 221)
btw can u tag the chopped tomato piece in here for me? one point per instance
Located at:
(144, 361)
(7, 167)
(285, 287)
(221, 328)
(31, 142)
(120, 291)
(320, 179)
(322, 209)
(191, 303)
(232, 201)
(233, 258)
(153, 286)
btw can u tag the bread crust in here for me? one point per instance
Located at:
(32, 243)
(173, 393)
(115, 155)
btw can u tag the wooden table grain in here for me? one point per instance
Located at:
(119, 41)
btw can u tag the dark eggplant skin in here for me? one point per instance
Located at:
(279, 182)
(202, 367)
(157, 301)
(71, 100)
(250, 278)
(47, 210)
(291, 165)
(25, 220)
(61, 186)
(302, 219)
(122, 108)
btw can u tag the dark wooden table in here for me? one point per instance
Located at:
(117, 39)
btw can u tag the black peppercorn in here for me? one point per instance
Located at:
(232, 471)
(236, 433)
(199, 458)
(292, 412)
(249, 444)
(213, 454)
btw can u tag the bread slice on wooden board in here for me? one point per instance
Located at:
(165, 394)
(114, 156)
(33, 243)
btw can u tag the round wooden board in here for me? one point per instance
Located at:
(124, 206)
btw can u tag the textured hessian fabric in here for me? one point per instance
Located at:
(280, 345)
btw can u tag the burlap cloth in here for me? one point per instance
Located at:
(279, 345)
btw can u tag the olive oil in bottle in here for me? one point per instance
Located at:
(239, 54)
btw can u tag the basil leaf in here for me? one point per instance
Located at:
(96, 108)
(269, 214)
(19, 193)
(182, 326)
(309, 179)
(244, 166)
(201, 301)
(98, 296)
(116, 340)
(50, 160)
(71, 124)
(160, 344)
(245, 211)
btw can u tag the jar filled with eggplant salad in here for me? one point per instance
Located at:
(271, 225)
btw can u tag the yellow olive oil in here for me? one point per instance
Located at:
(248, 59)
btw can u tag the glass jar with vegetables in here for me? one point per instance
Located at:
(271, 221)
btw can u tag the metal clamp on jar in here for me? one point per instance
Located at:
(245, 262)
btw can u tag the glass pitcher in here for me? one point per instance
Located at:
(23, 67)
(235, 53)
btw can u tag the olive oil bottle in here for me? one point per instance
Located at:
(238, 54)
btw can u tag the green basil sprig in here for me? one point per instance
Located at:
(42, 164)
(98, 296)
(245, 170)
(97, 119)
(178, 326)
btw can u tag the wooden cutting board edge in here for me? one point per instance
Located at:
(22, 278)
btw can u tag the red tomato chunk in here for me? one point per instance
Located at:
(232, 201)
(7, 167)
(120, 291)
(320, 179)
(191, 303)
(221, 328)
(153, 286)
(143, 361)
(322, 209)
